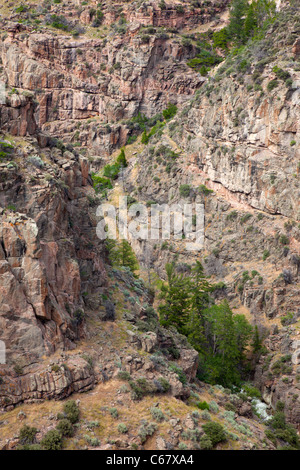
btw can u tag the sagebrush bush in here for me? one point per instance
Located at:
(122, 428)
(146, 430)
(205, 443)
(157, 414)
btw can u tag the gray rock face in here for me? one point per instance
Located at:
(51, 383)
(92, 80)
(149, 341)
(41, 255)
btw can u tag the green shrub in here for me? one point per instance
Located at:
(122, 428)
(232, 215)
(150, 203)
(272, 84)
(205, 58)
(181, 375)
(184, 190)
(170, 112)
(182, 446)
(215, 432)
(59, 22)
(280, 405)
(112, 171)
(146, 430)
(281, 74)
(203, 405)
(205, 415)
(164, 384)
(141, 387)
(27, 435)
(288, 319)
(283, 431)
(213, 407)
(71, 411)
(245, 218)
(205, 443)
(100, 183)
(157, 414)
(52, 440)
(251, 391)
(284, 240)
(21, 9)
(114, 412)
(36, 161)
(65, 428)
(92, 441)
(266, 254)
(124, 375)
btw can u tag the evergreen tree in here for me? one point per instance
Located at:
(220, 337)
(200, 289)
(221, 39)
(126, 256)
(121, 254)
(256, 344)
(175, 310)
(110, 245)
(121, 160)
(237, 20)
(223, 356)
(250, 22)
(264, 10)
(243, 333)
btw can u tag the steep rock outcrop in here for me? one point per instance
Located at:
(96, 81)
(48, 240)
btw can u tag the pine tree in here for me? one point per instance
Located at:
(175, 310)
(264, 10)
(222, 359)
(121, 254)
(237, 20)
(126, 256)
(243, 333)
(121, 160)
(200, 289)
(256, 343)
(219, 336)
(250, 22)
(110, 245)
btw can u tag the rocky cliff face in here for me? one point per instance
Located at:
(43, 198)
(81, 85)
(237, 150)
(234, 142)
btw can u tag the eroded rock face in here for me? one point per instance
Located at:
(296, 48)
(17, 116)
(248, 154)
(98, 81)
(58, 382)
(47, 239)
(177, 16)
(277, 377)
